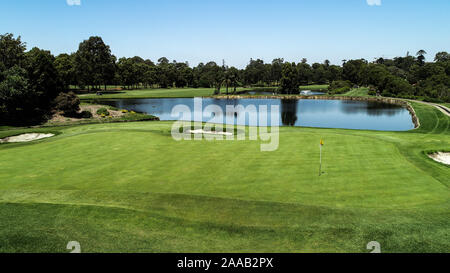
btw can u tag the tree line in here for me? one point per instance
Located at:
(31, 81)
(93, 65)
(406, 77)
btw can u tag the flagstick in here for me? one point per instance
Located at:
(320, 168)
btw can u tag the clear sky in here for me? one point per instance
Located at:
(235, 30)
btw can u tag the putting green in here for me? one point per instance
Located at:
(131, 187)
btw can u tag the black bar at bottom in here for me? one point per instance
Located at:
(222, 262)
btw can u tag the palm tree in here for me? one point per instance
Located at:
(227, 82)
(421, 52)
(421, 56)
(226, 78)
(232, 79)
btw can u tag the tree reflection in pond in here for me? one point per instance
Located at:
(289, 112)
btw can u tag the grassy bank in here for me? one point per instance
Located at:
(179, 92)
(357, 92)
(131, 188)
(156, 93)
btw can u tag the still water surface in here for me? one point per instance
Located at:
(306, 113)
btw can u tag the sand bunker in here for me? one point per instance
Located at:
(441, 157)
(25, 138)
(200, 131)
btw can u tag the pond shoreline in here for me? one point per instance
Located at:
(394, 101)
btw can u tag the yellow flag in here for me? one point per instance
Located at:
(321, 142)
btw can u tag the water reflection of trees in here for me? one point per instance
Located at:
(370, 108)
(289, 112)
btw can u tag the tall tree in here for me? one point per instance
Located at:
(442, 57)
(289, 81)
(166, 73)
(12, 51)
(64, 64)
(28, 82)
(233, 75)
(276, 70)
(43, 78)
(351, 70)
(94, 63)
(150, 76)
(256, 72)
(304, 73)
(421, 56)
(15, 96)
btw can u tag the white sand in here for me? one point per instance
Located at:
(25, 138)
(441, 157)
(200, 131)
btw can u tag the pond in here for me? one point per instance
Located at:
(342, 114)
(272, 93)
(311, 93)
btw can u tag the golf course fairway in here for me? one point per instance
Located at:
(130, 187)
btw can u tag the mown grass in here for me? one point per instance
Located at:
(316, 87)
(131, 188)
(157, 93)
(357, 92)
(179, 93)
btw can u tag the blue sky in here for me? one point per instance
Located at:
(235, 30)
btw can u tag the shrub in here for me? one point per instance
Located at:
(372, 93)
(68, 103)
(433, 100)
(339, 87)
(103, 112)
(86, 114)
(339, 84)
(372, 90)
